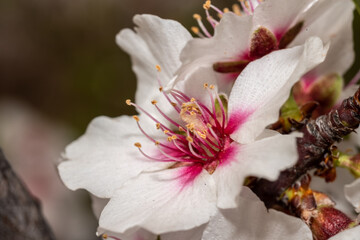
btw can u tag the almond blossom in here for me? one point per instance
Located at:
(194, 145)
(260, 27)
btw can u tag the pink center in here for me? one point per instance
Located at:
(199, 140)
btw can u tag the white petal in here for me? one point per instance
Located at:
(231, 39)
(104, 157)
(265, 84)
(155, 42)
(160, 202)
(263, 158)
(192, 234)
(352, 194)
(320, 21)
(349, 234)
(279, 15)
(252, 221)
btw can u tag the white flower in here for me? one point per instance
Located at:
(198, 146)
(270, 26)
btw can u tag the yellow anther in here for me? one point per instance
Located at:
(136, 118)
(202, 134)
(207, 5)
(137, 144)
(158, 68)
(206, 85)
(158, 125)
(128, 102)
(189, 139)
(226, 10)
(173, 104)
(174, 137)
(160, 89)
(169, 139)
(157, 143)
(212, 86)
(192, 100)
(197, 16)
(183, 105)
(192, 113)
(104, 236)
(153, 102)
(166, 131)
(181, 129)
(195, 30)
(208, 125)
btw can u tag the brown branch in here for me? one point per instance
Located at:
(319, 135)
(20, 213)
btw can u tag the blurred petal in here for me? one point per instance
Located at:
(349, 234)
(331, 20)
(279, 15)
(352, 194)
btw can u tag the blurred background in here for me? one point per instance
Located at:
(60, 68)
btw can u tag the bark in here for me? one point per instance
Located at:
(20, 212)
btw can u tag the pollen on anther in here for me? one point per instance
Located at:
(173, 104)
(158, 68)
(128, 102)
(157, 143)
(192, 99)
(195, 30)
(207, 5)
(190, 139)
(158, 125)
(166, 131)
(208, 125)
(206, 85)
(153, 102)
(137, 144)
(174, 137)
(169, 139)
(160, 89)
(104, 236)
(197, 16)
(225, 10)
(212, 86)
(136, 118)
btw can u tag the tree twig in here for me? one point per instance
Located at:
(20, 213)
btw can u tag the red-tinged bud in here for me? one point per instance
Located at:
(328, 222)
(325, 90)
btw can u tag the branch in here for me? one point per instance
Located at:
(20, 213)
(319, 135)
